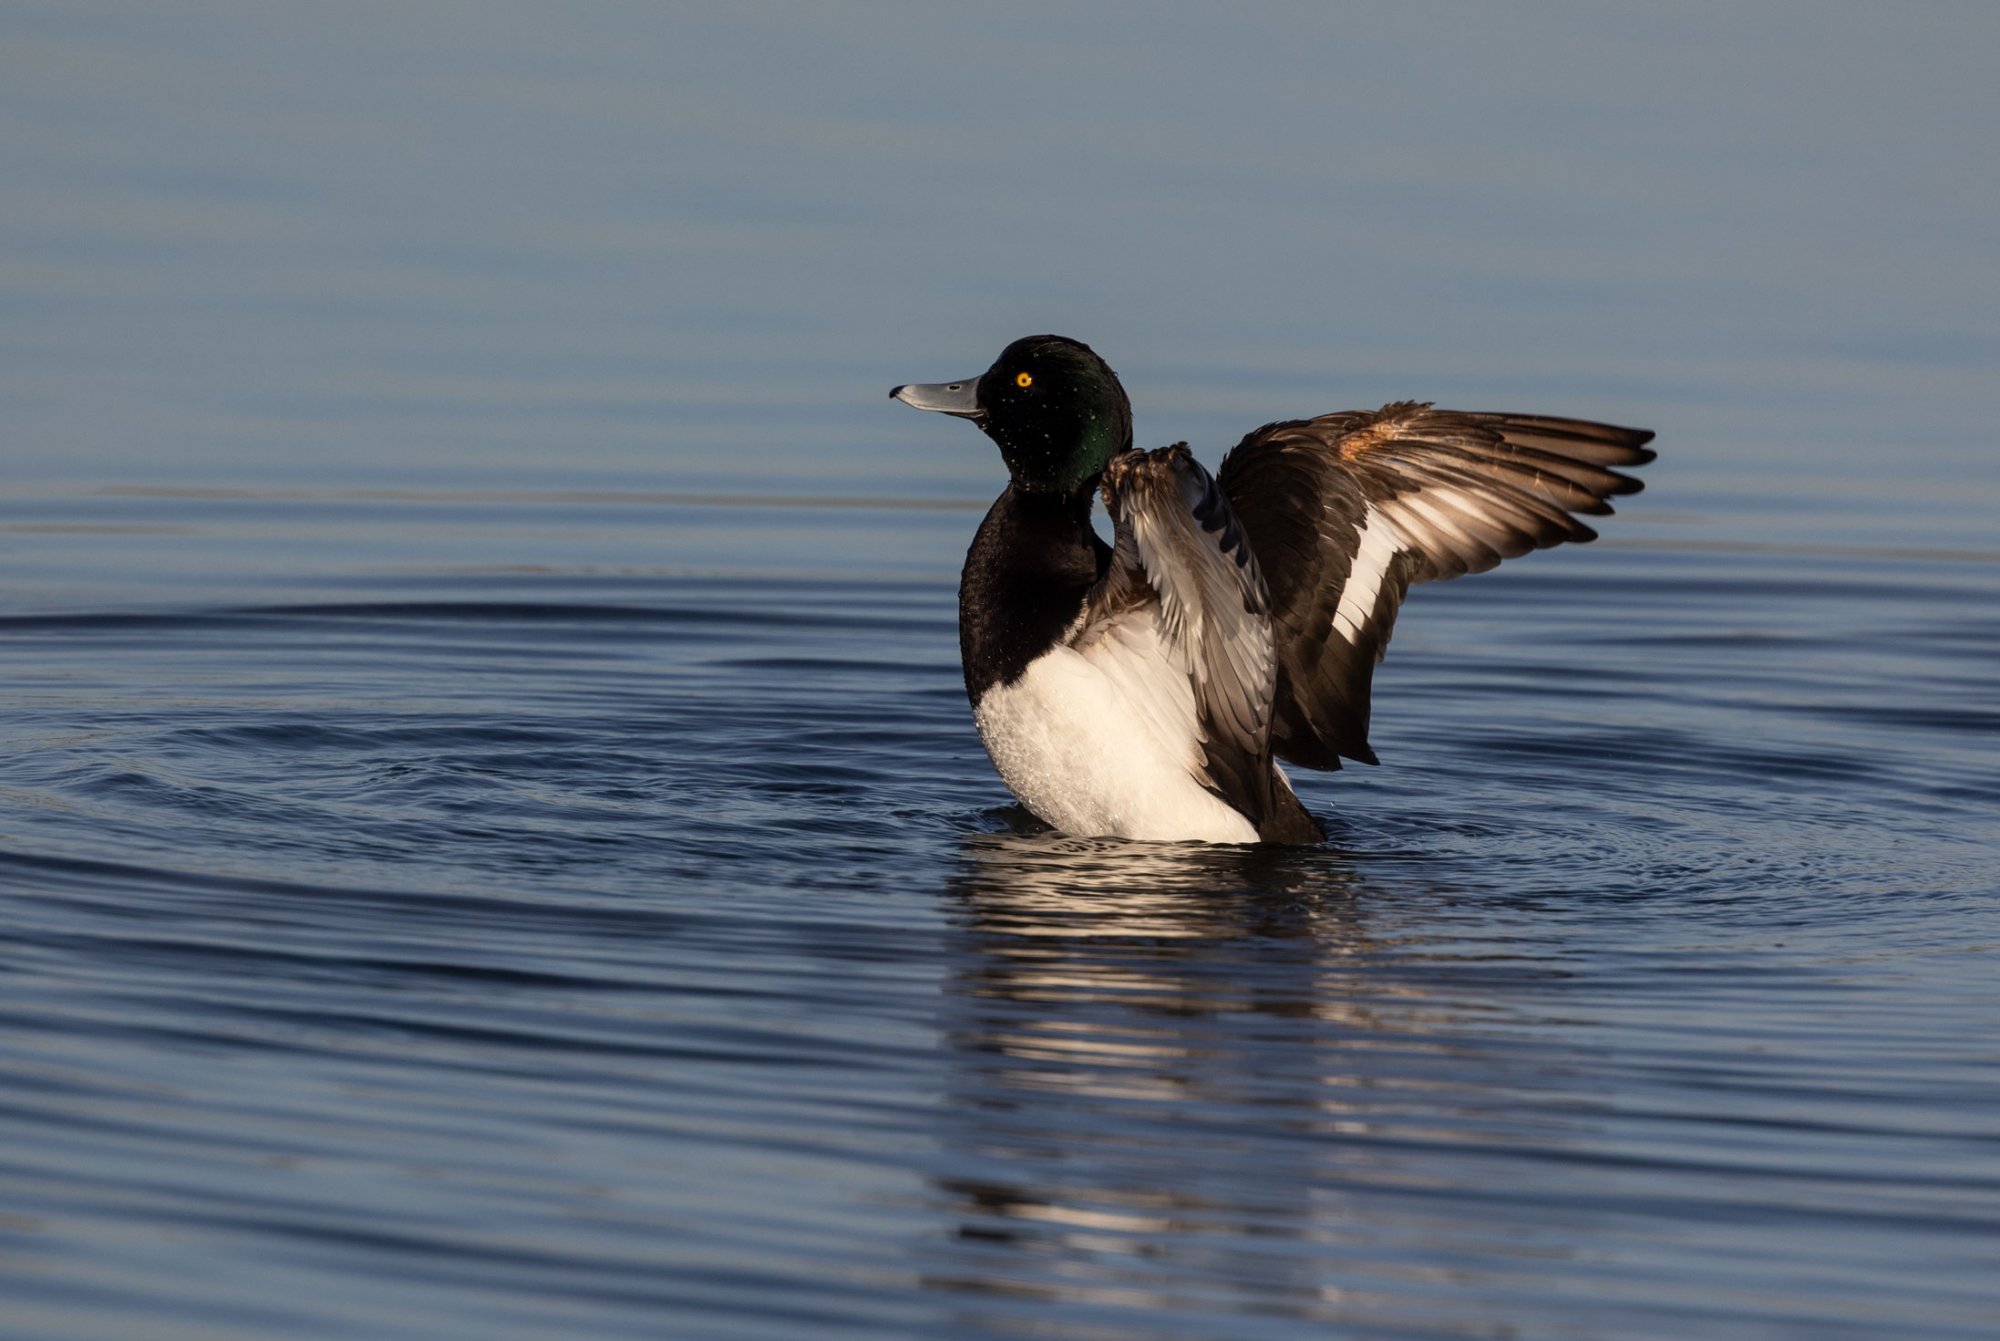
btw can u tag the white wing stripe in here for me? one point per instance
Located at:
(1379, 544)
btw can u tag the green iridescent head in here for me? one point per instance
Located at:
(1055, 409)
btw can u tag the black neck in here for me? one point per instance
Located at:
(1030, 567)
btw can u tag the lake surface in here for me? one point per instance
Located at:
(492, 842)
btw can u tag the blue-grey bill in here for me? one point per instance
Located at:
(959, 398)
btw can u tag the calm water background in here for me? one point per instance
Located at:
(491, 841)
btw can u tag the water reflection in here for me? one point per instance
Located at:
(1192, 1078)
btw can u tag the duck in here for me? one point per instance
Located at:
(1151, 688)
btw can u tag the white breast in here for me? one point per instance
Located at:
(1104, 740)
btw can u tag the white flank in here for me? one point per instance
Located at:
(1380, 544)
(1103, 741)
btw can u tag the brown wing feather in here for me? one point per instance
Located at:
(1346, 511)
(1180, 548)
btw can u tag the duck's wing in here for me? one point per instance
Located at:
(1346, 511)
(1183, 581)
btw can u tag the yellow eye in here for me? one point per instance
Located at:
(1023, 379)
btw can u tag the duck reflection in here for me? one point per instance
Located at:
(1151, 927)
(1163, 1065)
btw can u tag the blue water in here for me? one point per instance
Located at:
(492, 843)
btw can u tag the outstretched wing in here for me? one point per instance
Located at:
(1346, 511)
(1182, 572)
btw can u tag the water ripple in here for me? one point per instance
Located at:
(589, 950)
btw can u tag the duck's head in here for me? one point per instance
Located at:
(1055, 409)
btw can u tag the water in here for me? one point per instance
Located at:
(492, 843)
(588, 950)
